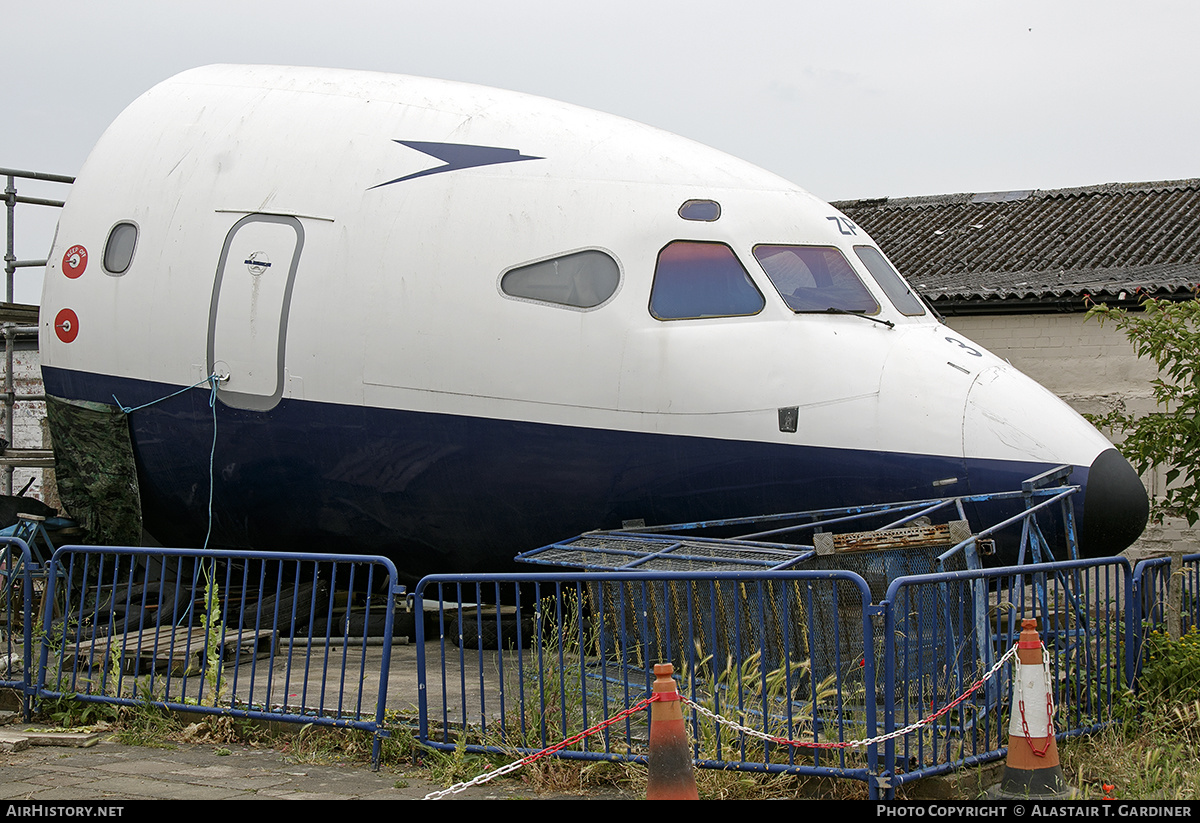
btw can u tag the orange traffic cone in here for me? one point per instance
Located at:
(670, 761)
(1032, 770)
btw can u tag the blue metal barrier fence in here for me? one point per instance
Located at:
(517, 663)
(270, 635)
(864, 688)
(947, 631)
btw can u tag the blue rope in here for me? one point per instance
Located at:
(211, 380)
(127, 409)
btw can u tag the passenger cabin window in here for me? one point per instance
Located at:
(815, 279)
(581, 280)
(118, 249)
(890, 281)
(694, 279)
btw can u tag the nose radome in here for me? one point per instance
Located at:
(1115, 506)
(1008, 416)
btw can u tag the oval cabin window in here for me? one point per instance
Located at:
(118, 249)
(705, 211)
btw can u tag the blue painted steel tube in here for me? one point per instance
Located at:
(16, 578)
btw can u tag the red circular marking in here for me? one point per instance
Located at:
(66, 325)
(74, 261)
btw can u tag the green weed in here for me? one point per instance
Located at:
(69, 712)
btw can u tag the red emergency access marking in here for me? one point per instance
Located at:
(74, 261)
(66, 325)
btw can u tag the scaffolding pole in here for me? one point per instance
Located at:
(13, 323)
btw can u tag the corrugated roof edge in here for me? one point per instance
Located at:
(1154, 276)
(1064, 290)
(965, 198)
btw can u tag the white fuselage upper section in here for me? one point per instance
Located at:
(290, 237)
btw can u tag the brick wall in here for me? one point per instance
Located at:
(30, 430)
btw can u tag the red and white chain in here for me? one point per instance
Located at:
(850, 744)
(1040, 752)
(525, 761)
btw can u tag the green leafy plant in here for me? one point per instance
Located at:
(69, 712)
(112, 686)
(147, 725)
(1168, 333)
(214, 634)
(1170, 668)
(448, 768)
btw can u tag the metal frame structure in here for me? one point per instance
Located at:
(15, 320)
(926, 637)
(788, 540)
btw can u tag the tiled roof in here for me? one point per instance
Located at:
(1045, 250)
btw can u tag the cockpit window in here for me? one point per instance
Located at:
(581, 280)
(694, 279)
(890, 281)
(815, 279)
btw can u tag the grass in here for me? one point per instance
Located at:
(1155, 756)
(1153, 752)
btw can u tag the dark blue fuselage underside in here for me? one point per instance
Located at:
(441, 493)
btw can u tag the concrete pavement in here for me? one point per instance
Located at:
(48, 769)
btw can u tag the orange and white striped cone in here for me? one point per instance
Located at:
(1032, 769)
(670, 761)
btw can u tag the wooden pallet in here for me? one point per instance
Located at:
(180, 651)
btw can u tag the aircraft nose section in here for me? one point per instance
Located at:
(1009, 414)
(1115, 506)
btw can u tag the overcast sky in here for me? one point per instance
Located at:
(847, 98)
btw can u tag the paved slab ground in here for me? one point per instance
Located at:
(106, 770)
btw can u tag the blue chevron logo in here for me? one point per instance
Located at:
(458, 156)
